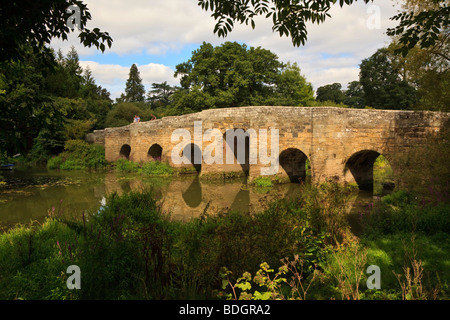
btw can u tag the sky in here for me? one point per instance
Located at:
(156, 35)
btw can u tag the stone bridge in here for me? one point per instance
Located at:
(335, 143)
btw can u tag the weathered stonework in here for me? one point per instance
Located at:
(340, 143)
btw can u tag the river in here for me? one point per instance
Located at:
(28, 195)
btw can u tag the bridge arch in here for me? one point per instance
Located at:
(125, 152)
(155, 152)
(237, 141)
(294, 163)
(193, 153)
(360, 167)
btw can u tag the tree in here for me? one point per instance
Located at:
(330, 92)
(26, 107)
(161, 94)
(354, 95)
(35, 23)
(45, 99)
(292, 89)
(291, 16)
(122, 114)
(427, 69)
(421, 24)
(97, 98)
(233, 75)
(134, 89)
(384, 85)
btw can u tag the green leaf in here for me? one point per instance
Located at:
(263, 296)
(224, 283)
(244, 286)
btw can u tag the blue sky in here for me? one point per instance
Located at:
(157, 35)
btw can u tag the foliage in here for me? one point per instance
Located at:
(263, 182)
(161, 94)
(289, 17)
(331, 92)
(346, 266)
(125, 165)
(354, 95)
(383, 84)
(134, 89)
(123, 113)
(42, 105)
(232, 75)
(292, 89)
(156, 168)
(426, 68)
(262, 279)
(79, 155)
(37, 23)
(420, 29)
(130, 249)
(401, 212)
(55, 162)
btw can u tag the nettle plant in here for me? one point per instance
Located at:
(270, 284)
(262, 279)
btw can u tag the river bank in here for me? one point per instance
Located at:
(131, 249)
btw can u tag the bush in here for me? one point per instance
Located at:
(79, 155)
(400, 212)
(156, 168)
(124, 165)
(263, 182)
(55, 162)
(131, 249)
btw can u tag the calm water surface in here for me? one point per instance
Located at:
(29, 195)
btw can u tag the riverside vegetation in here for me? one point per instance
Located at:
(302, 248)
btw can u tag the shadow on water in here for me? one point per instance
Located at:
(29, 195)
(193, 195)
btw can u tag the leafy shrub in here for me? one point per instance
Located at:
(79, 155)
(124, 165)
(156, 168)
(55, 162)
(263, 182)
(401, 212)
(72, 164)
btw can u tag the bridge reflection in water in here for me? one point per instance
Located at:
(29, 196)
(188, 197)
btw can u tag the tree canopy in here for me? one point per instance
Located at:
(330, 92)
(45, 99)
(290, 18)
(134, 89)
(233, 75)
(383, 83)
(35, 23)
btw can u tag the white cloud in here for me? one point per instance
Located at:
(332, 53)
(113, 77)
